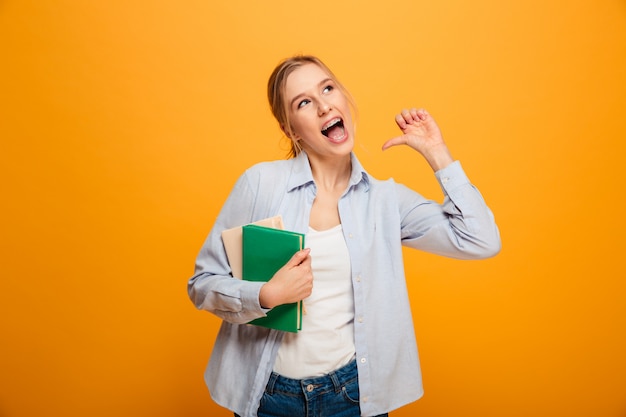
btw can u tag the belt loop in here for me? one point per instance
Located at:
(336, 383)
(269, 388)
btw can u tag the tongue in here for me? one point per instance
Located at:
(335, 133)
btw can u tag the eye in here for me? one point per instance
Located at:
(303, 103)
(328, 89)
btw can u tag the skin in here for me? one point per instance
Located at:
(312, 100)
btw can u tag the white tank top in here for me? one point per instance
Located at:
(326, 341)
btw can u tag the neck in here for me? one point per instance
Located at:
(331, 174)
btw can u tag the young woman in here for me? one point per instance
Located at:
(356, 353)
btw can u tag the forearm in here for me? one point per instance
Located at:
(230, 299)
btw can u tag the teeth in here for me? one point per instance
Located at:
(331, 123)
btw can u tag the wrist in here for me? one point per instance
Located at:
(267, 298)
(439, 158)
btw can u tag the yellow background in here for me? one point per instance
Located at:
(124, 124)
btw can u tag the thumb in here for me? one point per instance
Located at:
(398, 140)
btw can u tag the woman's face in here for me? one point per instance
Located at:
(319, 113)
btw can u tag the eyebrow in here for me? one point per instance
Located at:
(324, 81)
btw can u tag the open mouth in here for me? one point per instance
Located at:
(334, 129)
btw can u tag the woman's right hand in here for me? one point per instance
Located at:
(421, 132)
(292, 283)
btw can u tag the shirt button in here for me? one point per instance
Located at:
(363, 360)
(350, 235)
(358, 278)
(445, 180)
(364, 399)
(310, 387)
(360, 319)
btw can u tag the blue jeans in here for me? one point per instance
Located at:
(332, 395)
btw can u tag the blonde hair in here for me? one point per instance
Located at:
(276, 93)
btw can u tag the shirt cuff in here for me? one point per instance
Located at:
(452, 177)
(250, 298)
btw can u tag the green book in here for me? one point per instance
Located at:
(265, 250)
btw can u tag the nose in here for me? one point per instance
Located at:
(323, 108)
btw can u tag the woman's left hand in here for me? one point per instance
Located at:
(420, 132)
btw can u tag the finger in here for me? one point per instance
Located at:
(306, 263)
(298, 257)
(406, 115)
(400, 121)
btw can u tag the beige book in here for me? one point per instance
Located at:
(233, 239)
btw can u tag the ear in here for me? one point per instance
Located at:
(292, 136)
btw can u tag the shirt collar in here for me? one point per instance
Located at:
(301, 173)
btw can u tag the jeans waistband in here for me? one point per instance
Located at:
(332, 381)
